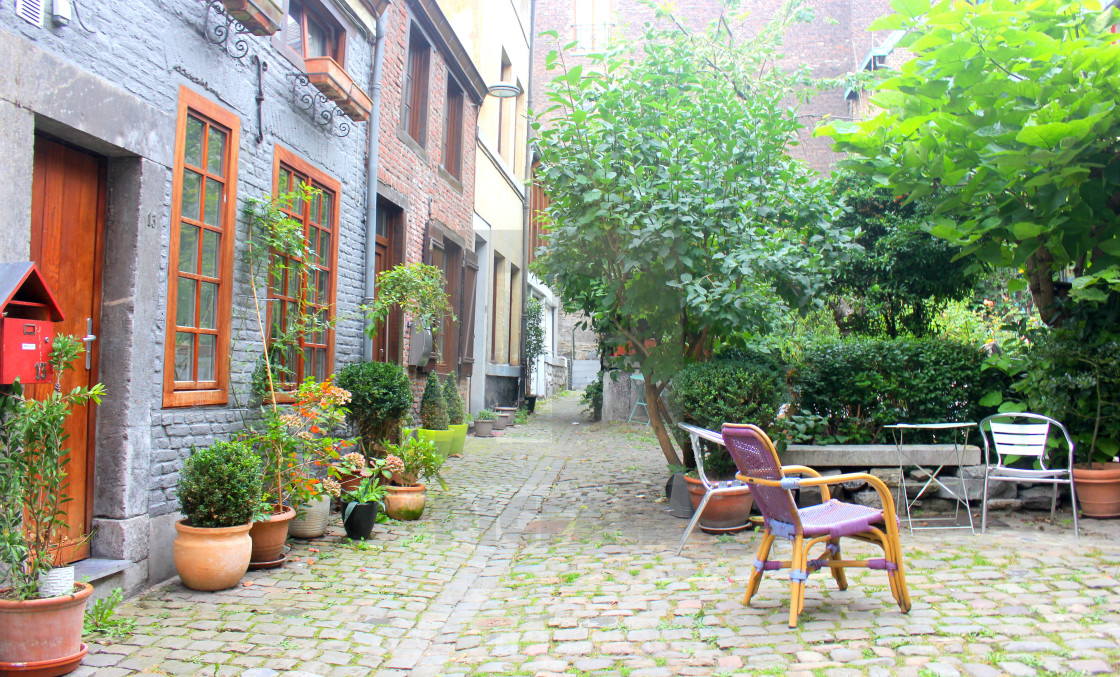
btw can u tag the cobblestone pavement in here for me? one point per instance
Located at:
(551, 552)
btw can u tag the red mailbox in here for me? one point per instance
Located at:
(28, 311)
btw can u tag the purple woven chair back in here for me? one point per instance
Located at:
(755, 456)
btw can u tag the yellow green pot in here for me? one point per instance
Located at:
(458, 437)
(441, 438)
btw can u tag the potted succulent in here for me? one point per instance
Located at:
(484, 423)
(434, 422)
(220, 493)
(456, 414)
(360, 507)
(380, 396)
(408, 463)
(45, 631)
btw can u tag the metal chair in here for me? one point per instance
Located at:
(822, 524)
(710, 488)
(1028, 439)
(641, 398)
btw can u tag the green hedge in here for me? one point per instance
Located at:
(380, 396)
(220, 485)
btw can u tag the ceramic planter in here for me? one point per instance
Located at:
(483, 428)
(405, 503)
(269, 536)
(56, 582)
(531, 403)
(260, 17)
(358, 519)
(1098, 489)
(500, 422)
(458, 437)
(505, 414)
(335, 83)
(211, 559)
(43, 636)
(725, 513)
(311, 520)
(441, 438)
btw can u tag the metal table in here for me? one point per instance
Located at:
(959, 432)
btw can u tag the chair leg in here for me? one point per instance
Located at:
(984, 509)
(756, 575)
(1054, 503)
(796, 587)
(838, 572)
(898, 579)
(693, 522)
(1073, 504)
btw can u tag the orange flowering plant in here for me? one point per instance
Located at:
(293, 441)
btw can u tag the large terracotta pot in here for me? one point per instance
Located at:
(312, 520)
(47, 633)
(441, 438)
(269, 536)
(211, 559)
(724, 513)
(405, 503)
(458, 437)
(1098, 489)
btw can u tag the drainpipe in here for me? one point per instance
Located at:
(525, 215)
(374, 134)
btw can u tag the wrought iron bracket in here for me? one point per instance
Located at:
(262, 67)
(222, 29)
(322, 110)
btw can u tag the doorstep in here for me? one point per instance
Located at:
(102, 574)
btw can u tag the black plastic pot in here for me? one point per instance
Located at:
(358, 519)
(531, 403)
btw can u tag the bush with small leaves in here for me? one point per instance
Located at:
(220, 485)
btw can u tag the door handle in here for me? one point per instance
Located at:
(88, 339)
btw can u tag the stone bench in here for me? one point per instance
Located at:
(876, 455)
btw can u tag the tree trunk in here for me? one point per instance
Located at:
(653, 408)
(1040, 281)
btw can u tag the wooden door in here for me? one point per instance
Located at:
(386, 342)
(67, 232)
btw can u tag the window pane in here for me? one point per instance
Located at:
(184, 356)
(325, 216)
(208, 306)
(213, 202)
(325, 247)
(324, 287)
(184, 305)
(318, 39)
(192, 149)
(188, 248)
(215, 151)
(210, 249)
(285, 181)
(207, 349)
(320, 364)
(294, 28)
(315, 201)
(309, 362)
(192, 186)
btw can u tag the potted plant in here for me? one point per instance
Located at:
(44, 631)
(434, 423)
(534, 347)
(380, 396)
(220, 493)
(505, 417)
(484, 423)
(417, 290)
(456, 414)
(330, 78)
(408, 463)
(360, 507)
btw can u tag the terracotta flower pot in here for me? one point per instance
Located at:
(46, 633)
(312, 523)
(724, 513)
(405, 503)
(458, 437)
(350, 482)
(269, 536)
(483, 428)
(211, 559)
(1098, 489)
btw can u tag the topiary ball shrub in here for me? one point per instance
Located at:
(220, 485)
(433, 408)
(454, 400)
(380, 396)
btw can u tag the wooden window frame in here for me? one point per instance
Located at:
(451, 263)
(286, 159)
(322, 13)
(199, 393)
(453, 129)
(414, 89)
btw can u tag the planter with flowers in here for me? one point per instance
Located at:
(408, 463)
(39, 631)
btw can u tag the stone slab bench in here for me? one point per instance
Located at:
(875, 455)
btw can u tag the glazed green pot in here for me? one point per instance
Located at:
(458, 438)
(441, 438)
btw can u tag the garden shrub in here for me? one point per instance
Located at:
(220, 485)
(433, 408)
(593, 398)
(380, 396)
(454, 400)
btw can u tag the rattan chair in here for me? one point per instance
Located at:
(823, 524)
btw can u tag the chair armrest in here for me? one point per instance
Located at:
(826, 495)
(703, 433)
(878, 484)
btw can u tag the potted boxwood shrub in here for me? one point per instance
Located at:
(456, 414)
(360, 507)
(433, 416)
(408, 463)
(220, 494)
(380, 396)
(484, 423)
(35, 629)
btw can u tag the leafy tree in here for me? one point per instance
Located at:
(534, 337)
(677, 214)
(1012, 106)
(903, 276)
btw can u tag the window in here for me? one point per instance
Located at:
(293, 295)
(592, 26)
(414, 94)
(460, 273)
(498, 284)
(505, 114)
(453, 129)
(203, 214)
(309, 33)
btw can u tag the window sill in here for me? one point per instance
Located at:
(411, 143)
(194, 398)
(450, 179)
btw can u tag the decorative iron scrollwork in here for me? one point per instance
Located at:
(222, 29)
(323, 111)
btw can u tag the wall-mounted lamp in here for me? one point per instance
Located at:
(60, 12)
(504, 90)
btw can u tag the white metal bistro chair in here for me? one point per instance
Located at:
(710, 488)
(1024, 435)
(641, 401)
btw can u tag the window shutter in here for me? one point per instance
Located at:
(466, 313)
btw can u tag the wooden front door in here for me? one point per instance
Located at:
(386, 342)
(67, 233)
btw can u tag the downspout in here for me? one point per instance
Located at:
(374, 134)
(526, 215)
